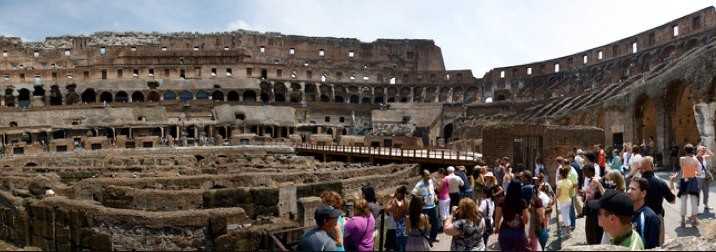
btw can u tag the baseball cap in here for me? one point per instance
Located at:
(614, 201)
(326, 211)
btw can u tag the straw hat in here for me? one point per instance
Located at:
(490, 174)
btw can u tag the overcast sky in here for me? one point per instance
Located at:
(475, 34)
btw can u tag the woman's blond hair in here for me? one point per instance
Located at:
(618, 178)
(360, 206)
(467, 210)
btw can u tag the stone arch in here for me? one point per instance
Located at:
(644, 118)
(680, 113)
(89, 96)
(55, 95)
(232, 96)
(39, 92)
(458, 94)
(23, 98)
(471, 94)
(121, 96)
(691, 44)
(202, 95)
(217, 95)
(279, 90)
(354, 99)
(106, 97)
(418, 94)
(249, 95)
(265, 97)
(153, 96)
(170, 95)
(365, 100)
(404, 94)
(430, 94)
(185, 95)
(324, 98)
(137, 96)
(378, 99)
(447, 132)
(444, 92)
(338, 99)
(310, 92)
(668, 52)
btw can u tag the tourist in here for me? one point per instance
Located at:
(577, 165)
(573, 176)
(689, 188)
(559, 162)
(443, 194)
(590, 191)
(492, 188)
(425, 189)
(601, 159)
(538, 230)
(513, 209)
(507, 164)
(579, 158)
(705, 177)
(359, 228)
(466, 176)
(547, 195)
(466, 227)
(616, 163)
(499, 171)
(645, 221)
(539, 169)
(318, 239)
(626, 158)
(417, 226)
(615, 211)
(454, 183)
(657, 192)
(564, 197)
(635, 163)
(335, 200)
(368, 193)
(397, 208)
(674, 157)
(527, 186)
(478, 176)
(487, 208)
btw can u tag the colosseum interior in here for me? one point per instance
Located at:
(186, 141)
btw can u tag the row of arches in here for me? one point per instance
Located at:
(89, 95)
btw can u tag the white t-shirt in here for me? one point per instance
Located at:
(545, 199)
(454, 183)
(702, 164)
(483, 207)
(580, 161)
(597, 169)
(635, 163)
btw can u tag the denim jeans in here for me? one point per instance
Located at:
(433, 216)
(573, 214)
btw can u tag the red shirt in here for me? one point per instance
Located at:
(602, 159)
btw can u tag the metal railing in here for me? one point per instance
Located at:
(396, 152)
(280, 242)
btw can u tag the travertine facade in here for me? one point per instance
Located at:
(105, 119)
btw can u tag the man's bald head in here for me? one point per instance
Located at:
(647, 164)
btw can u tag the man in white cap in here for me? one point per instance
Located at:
(454, 184)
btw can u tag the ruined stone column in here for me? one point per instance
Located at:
(662, 134)
(704, 115)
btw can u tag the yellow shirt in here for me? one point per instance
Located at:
(565, 190)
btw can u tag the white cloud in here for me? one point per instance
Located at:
(240, 24)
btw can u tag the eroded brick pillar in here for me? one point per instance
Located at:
(704, 115)
(663, 146)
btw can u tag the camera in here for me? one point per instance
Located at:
(608, 184)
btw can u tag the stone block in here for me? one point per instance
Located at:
(93, 240)
(306, 208)
(265, 196)
(315, 189)
(287, 200)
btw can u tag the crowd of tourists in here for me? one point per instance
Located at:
(619, 196)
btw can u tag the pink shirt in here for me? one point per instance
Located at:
(360, 230)
(444, 192)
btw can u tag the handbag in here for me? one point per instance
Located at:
(709, 177)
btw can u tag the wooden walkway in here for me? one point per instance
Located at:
(374, 154)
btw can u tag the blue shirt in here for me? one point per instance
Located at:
(647, 224)
(425, 191)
